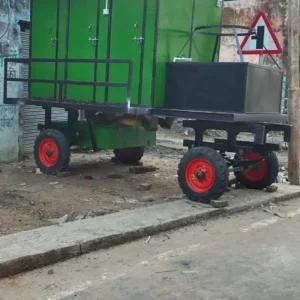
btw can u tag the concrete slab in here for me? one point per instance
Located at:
(32, 249)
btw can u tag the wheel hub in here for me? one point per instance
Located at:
(49, 152)
(200, 175)
(259, 170)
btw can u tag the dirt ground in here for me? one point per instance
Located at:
(98, 186)
(29, 200)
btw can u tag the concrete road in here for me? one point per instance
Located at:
(251, 256)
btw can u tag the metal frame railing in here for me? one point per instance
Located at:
(62, 84)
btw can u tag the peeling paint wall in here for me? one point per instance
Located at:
(243, 12)
(11, 11)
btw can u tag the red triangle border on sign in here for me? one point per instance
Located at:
(267, 22)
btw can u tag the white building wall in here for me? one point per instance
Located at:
(10, 35)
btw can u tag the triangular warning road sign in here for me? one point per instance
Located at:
(264, 41)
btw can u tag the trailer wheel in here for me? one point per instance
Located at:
(129, 155)
(52, 151)
(203, 174)
(264, 175)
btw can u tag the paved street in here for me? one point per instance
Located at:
(254, 255)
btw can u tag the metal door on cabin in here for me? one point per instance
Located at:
(76, 29)
(43, 45)
(94, 33)
(82, 42)
(64, 29)
(130, 38)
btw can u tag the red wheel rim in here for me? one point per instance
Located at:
(48, 152)
(200, 175)
(258, 173)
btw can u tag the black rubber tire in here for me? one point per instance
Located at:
(129, 155)
(219, 167)
(64, 152)
(269, 179)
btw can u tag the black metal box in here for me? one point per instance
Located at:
(223, 87)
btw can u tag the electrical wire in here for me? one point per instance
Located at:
(8, 20)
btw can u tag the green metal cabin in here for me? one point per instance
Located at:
(148, 32)
(107, 58)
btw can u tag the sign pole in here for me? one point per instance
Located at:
(293, 90)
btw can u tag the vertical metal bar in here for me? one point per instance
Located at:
(199, 136)
(48, 113)
(60, 92)
(92, 136)
(30, 49)
(215, 48)
(155, 53)
(107, 71)
(71, 119)
(67, 47)
(96, 51)
(192, 28)
(142, 53)
(129, 83)
(231, 137)
(57, 45)
(238, 43)
(259, 134)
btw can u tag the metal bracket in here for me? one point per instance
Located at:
(93, 41)
(138, 40)
(238, 45)
(53, 42)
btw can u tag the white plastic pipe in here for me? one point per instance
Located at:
(106, 9)
(128, 104)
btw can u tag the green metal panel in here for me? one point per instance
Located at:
(43, 30)
(83, 27)
(83, 16)
(115, 136)
(174, 30)
(148, 52)
(61, 40)
(102, 51)
(127, 19)
(125, 27)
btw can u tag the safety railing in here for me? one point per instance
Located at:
(61, 96)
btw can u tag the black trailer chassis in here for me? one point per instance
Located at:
(203, 171)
